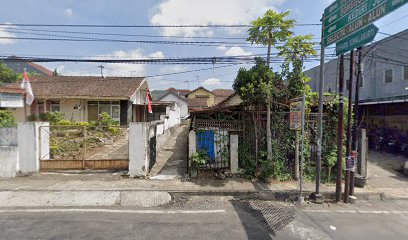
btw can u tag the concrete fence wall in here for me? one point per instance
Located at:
(140, 136)
(8, 152)
(20, 148)
(233, 149)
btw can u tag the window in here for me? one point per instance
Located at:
(405, 73)
(361, 83)
(55, 106)
(97, 107)
(388, 76)
(40, 108)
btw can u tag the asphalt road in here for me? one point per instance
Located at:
(204, 218)
(92, 224)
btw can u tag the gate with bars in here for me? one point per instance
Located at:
(83, 147)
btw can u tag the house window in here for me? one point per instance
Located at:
(40, 108)
(55, 106)
(405, 72)
(360, 84)
(112, 108)
(388, 76)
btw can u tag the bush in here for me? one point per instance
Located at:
(43, 117)
(55, 117)
(200, 157)
(106, 120)
(32, 118)
(7, 119)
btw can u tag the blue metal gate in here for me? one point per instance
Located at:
(205, 141)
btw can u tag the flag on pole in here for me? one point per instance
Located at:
(27, 86)
(149, 106)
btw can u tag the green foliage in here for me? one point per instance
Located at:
(7, 75)
(255, 85)
(106, 120)
(271, 28)
(295, 51)
(200, 157)
(7, 119)
(55, 117)
(43, 117)
(31, 118)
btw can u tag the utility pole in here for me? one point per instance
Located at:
(302, 158)
(317, 196)
(340, 131)
(349, 112)
(101, 67)
(269, 105)
(356, 115)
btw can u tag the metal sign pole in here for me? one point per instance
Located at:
(320, 119)
(303, 149)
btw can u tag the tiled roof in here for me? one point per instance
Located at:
(12, 90)
(197, 102)
(223, 92)
(84, 86)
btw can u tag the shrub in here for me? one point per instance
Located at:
(32, 118)
(7, 119)
(43, 117)
(55, 117)
(200, 157)
(106, 120)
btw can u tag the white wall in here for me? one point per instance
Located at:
(8, 152)
(182, 104)
(76, 115)
(138, 149)
(29, 145)
(20, 148)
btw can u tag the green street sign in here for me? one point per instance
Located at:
(349, 13)
(357, 39)
(352, 9)
(337, 32)
(335, 6)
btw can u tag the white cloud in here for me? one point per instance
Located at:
(113, 69)
(234, 51)
(212, 82)
(166, 83)
(127, 69)
(208, 12)
(5, 33)
(173, 69)
(68, 12)
(157, 55)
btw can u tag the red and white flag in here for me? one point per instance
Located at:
(27, 86)
(149, 106)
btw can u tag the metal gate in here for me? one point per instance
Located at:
(83, 147)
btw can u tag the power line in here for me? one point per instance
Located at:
(142, 26)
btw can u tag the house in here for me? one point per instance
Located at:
(201, 98)
(383, 95)
(232, 100)
(18, 66)
(157, 94)
(12, 99)
(83, 98)
(181, 101)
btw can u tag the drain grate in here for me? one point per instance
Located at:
(272, 216)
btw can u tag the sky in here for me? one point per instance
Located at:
(157, 12)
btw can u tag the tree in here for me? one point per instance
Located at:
(255, 86)
(7, 75)
(269, 30)
(295, 51)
